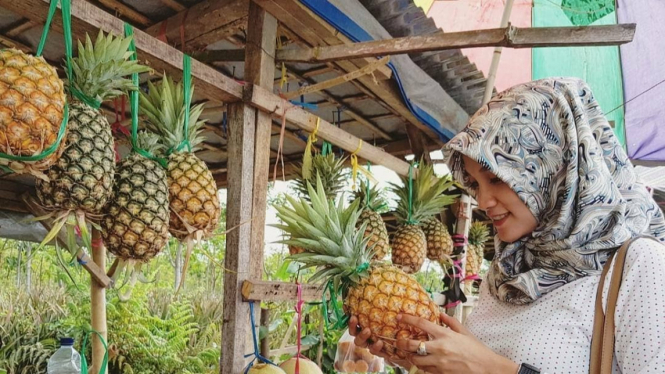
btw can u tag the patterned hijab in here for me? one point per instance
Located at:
(551, 143)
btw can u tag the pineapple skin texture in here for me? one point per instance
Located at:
(32, 101)
(82, 178)
(192, 194)
(136, 221)
(377, 300)
(376, 231)
(439, 241)
(409, 248)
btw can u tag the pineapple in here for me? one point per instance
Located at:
(439, 241)
(82, 178)
(410, 246)
(32, 103)
(478, 235)
(135, 226)
(332, 177)
(375, 228)
(374, 292)
(194, 203)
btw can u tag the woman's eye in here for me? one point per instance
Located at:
(473, 185)
(496, 181)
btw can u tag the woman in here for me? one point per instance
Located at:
(542, 161)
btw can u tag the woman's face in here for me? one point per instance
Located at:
(511, 217)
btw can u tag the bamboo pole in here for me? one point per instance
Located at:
(98, 307)
(496, 57)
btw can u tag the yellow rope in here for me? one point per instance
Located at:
(284, 77)
(307, 156)
(354, 163)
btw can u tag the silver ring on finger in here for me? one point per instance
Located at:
(422, 350)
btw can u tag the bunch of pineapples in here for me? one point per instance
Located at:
(331, 176)
(371, 202)
(374, 292)
(82, 178)
(194, 203)
(419, 232)
(479, 233)
(32, 103)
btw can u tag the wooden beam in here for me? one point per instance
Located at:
(19, 28)
(173, 4)
(418, 142)
(225, 32)
(317, 71)
(220, 55)
(128, 12)
(367, 69)
(266, 101)
(253, 290)
(201, 19)
(510, 37)
(161, 57)
(248, 164)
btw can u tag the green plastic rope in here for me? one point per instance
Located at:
(326, 148)
(47, 26)
(87, 100)
(341, 318)
(369, 169)
(134, 104)
(187, 84)
(84, 361)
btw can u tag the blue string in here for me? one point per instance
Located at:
(225, 123)
(256, 354)
(81, 261)
(304, 104)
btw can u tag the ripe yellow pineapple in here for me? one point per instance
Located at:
(374, 292)
(410, 246)
(478, 235)
(371, 203)
(439, 241)
(32, 102)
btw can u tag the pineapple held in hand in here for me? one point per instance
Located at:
(410, 245)
(330, 170)
(82, 178)
(375, 229)
(32, 103)
(478, 235)
(135, 226)
(374, 292)
(194, 203)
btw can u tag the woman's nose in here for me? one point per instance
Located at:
(485, 198)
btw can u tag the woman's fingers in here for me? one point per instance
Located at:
(453, 323)
(408, 345)
(423, 324)
(353, 326)
(375, 348)
(361, 338)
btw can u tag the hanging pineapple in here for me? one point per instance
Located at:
(81, 180)
(419, 199)
(478, 235)
(371, 202)
(330, 170)
(135, 226)
(374, 292)
(32, 104)
(194, 204)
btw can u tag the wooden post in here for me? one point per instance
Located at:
(462, 228)
(98, 304)
(265, 342)
(496, 57)
(418, 141)
(249, 161)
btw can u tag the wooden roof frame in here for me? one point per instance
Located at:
(252, 108)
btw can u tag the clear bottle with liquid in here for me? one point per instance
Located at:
(65, 360)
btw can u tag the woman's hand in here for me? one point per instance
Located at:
(452, 350)
(361, 338)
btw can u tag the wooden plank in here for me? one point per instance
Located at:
(249, 160)
(367, 69)
(161, 57)
(200, 19)
(265, 100)
(511, 37)
(254, 290)
(128, 12)
(173, 4)
(221, 55)
(98, 305)
(225, 32)
(98, 274)
(418, 142)
(19, 28)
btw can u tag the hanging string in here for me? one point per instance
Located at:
(307, 155)
(134, 103)
(187, 85)
(280, 152)
(284, 78)
(256, 354)
(326, 149)
(410, 221)
(84, 361)
(299, 304)
(354, 163)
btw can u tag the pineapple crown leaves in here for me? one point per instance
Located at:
(479, 232)
(150, 142)
(428, 194)
(164, 108)
(329, 233)
(100, 69)
(369, 197)
(330, 172)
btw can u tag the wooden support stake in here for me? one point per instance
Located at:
(253, 290)
(98, 305)
(367, 69)
(462, 226)
(265, 342)
(512, 37)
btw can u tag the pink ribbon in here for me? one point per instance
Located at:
(299, 332)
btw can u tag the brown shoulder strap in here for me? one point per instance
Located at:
(602, 342)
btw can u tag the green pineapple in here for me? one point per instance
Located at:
(372, 202)
(479, 233)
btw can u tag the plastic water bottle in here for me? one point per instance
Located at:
(65, 360)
